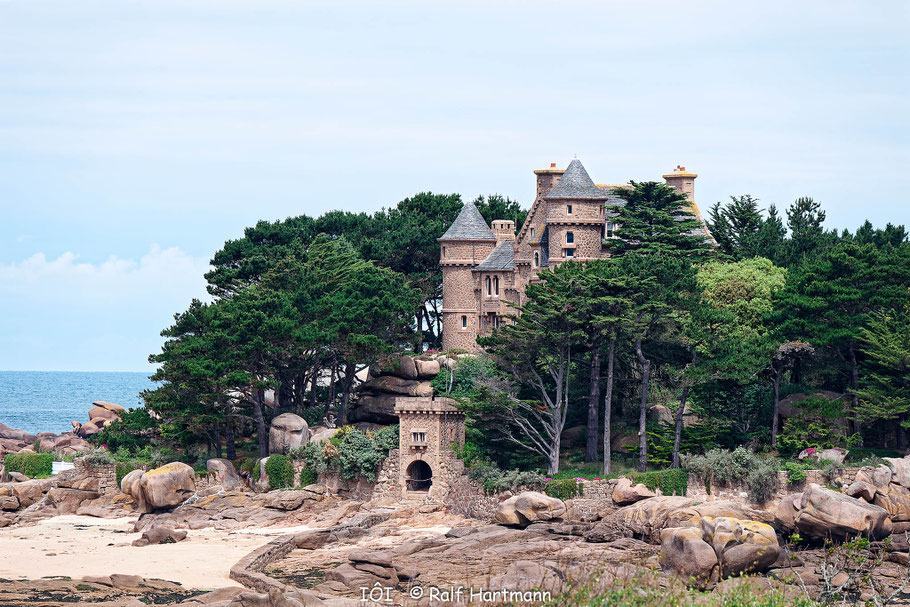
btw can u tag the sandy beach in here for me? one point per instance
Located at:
(78, 546)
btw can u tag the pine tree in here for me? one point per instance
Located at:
(736, 226)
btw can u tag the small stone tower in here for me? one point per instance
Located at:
(575, 216)
(429, 430)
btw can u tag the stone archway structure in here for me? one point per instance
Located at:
(429, 431)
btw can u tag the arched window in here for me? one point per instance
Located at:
(570, 237)
(536, 259)
(489, 286)
(496, 285)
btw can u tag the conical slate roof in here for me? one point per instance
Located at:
(500, 258)
(576, 183)
(469, 225)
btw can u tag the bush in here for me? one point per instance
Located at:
(741, 465)
(280, 471)
(350, 452)
(32, 465)
(670, 482)
(98, 457)
(796, 472)
(762, 480)
(831, 469)
(564, 488)
(307, 477)
(495, 480)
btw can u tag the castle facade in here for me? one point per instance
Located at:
(484, 268)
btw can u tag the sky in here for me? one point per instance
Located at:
(137, 136)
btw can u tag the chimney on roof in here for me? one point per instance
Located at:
(683, 181)
(503, 229)
(547, 178)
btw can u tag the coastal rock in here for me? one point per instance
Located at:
(160, 535)
(625, 493)
(825, 513)
(685, 552)
(16, 435)
(167, 486)
(836, 455)
(223, 473)
(109, 406)
(426, 369)
(529, 507)
(741, 546)
(392, 384)
(86, 430)
(378, 408)
(900, 470)
(320, 435)
(101, 413)
(130, 486)
(288, 431)
(862, 490)
(522, 576)
(31, 491)
(895, 499)
(877, 476)
(404, 367)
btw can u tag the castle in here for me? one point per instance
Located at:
(484, 268)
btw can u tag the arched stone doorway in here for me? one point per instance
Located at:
(419, 476)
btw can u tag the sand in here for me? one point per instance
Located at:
(77, 546)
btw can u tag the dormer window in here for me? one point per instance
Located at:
(532, 233)
(568, 209)
(570, 237)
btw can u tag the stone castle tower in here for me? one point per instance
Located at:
(485, 269)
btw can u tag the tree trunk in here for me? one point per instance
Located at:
(901, 435)
(331, 401)
(796, 373)
(229, 444)
(608, 397)
(677, 436)
(854, 386)
(775, 420)
(593, 403)
(349, 369)
(643, 410)
(261, 433)
(217, 431)
(314, 383)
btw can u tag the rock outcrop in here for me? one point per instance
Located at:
(223, 473)
(625, 493)
(529, 507)
(823, 513)
(161, 488)
(160, 535)
(288, 431)
(387, 380)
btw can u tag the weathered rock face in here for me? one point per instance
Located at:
(405, 368)
(160, 535)
(320, 435)
(101, 413)
(528, 575)
(822, 513)
(390, 384)
(288, 431)
(894, 498)
(427, 369)
(164, 487)
(646, 518)
(402, 376)
(720, 547)
(836, 455)
(86, 430)
(529, 507)
(685, 552)
(625, 493)
(378, 408)
(223, 473)
(900, 470)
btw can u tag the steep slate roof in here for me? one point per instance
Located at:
(500, 258)
(575, 183)
(469, 225)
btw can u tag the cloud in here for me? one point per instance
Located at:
(68, 314)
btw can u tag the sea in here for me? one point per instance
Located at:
(47, 401)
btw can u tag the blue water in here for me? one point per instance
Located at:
(46, 401)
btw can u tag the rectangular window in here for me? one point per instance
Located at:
(610, 229)
(532, 233)
(570, 253)
(570, 237)
(568, 209)
(464, 322)
(418, 437)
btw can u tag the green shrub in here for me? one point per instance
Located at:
(670, 482)
(762, 480)
(741, 465)
(123, 469)
(307, 477)
(98, 457)
(32, 465)
(831, 469)
(350, 452)
(564, 488)
(280, 471)
(796, 472)
(493, 480)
